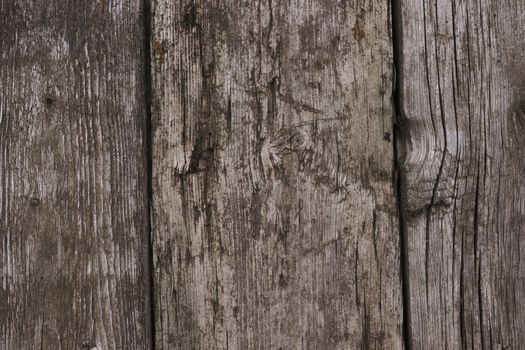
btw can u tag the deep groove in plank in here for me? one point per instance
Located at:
(399, 179)
(149, 159)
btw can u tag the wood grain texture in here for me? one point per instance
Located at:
(462, 151)
(73, 195)
(275, 224)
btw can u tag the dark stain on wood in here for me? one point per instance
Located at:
(189, 19)
(158, 50)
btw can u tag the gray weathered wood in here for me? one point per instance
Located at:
(462, 154)
(275, 225)
(73, 196)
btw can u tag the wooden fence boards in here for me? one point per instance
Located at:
(287, 211)
(73, 189)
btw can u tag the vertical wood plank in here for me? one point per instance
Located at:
(462, 153)
(73, 196)
(275, 224)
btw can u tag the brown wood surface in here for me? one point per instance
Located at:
(462, 155)
(275, 221)
(287, 211)
(73, 190)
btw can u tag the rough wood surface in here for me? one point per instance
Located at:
(275, 225)
(73, 199)
(462, 152)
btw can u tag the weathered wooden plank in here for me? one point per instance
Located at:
(275, 225)
(462, 150)
(73, 193)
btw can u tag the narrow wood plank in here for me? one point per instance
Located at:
(463, 147)
(73, 195)
(275, 225)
